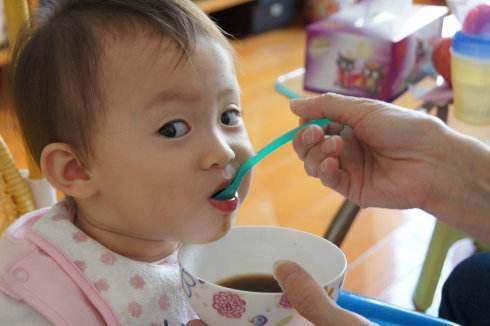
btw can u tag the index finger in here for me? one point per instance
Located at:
(341, 109)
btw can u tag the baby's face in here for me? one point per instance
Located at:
(172, 135)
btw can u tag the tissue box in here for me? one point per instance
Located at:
(368, 53)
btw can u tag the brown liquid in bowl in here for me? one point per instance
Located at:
(252, 283)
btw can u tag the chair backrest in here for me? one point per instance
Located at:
(15, 195)
(16, 15)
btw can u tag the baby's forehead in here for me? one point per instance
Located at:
(137, 57)
(141, 46)
(149, 64)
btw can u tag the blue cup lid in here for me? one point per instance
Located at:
(475, 46)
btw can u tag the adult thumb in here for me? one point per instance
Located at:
(339, 108)
(304, 294)
(310, 299)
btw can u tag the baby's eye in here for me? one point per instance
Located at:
(174, 129)
(230, 117)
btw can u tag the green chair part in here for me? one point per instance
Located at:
(443, 237)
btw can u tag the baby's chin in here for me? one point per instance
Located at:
(215, 234)
(221, 234)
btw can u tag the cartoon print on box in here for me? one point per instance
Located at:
(319, 46)
(346, 76)
(369, 79)
(372, 78)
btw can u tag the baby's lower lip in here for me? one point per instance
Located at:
(226, 206)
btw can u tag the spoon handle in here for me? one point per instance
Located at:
(229, 191)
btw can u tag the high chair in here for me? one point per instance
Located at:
(443, 237)
(19, 193)
(15, 194)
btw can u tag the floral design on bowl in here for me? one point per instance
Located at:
(284, 302)
(229, 304)
(206, 265)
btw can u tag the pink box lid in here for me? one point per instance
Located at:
(362, 19)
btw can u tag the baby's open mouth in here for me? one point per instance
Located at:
(221, 188)
(217, 192)
(225, 205)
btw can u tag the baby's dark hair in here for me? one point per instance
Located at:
(55, 63)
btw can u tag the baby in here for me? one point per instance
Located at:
(132, 109)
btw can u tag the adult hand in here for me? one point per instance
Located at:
(375, 154)
(310, 299)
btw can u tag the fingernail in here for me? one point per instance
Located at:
(308, 136)
(277, 264)
(329, 146)
(284, 268)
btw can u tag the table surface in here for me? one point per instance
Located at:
(290, 85)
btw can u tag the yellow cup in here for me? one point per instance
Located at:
(470, 76)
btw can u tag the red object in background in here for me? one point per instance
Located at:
(477, 22)
(319, 9)
(441, 58)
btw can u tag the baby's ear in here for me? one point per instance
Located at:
(61, 166)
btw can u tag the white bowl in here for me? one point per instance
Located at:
(254, 250)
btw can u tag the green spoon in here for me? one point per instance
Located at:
(229, 192)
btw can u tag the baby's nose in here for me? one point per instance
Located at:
(218, 154)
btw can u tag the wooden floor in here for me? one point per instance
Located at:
(385, 248)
